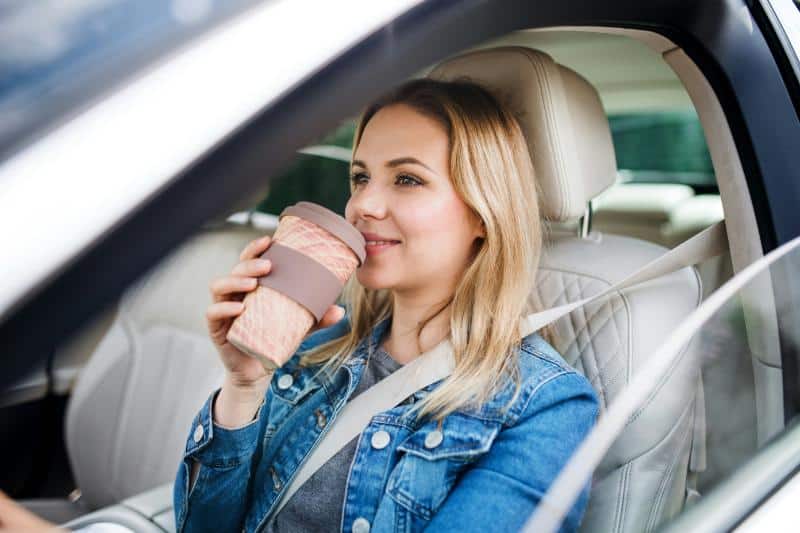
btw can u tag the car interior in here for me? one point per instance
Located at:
(129, 384)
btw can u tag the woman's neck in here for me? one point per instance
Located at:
(407, 315)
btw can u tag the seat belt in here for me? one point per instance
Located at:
(439, 362)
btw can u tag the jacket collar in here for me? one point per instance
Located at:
(369, 344)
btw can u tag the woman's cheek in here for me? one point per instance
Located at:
(422, 219)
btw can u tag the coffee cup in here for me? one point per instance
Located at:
(313, 252)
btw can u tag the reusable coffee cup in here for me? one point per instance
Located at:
(313, 252)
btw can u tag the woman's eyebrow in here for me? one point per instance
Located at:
(395, 162)
(408, 160)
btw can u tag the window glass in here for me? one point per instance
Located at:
(662, 147)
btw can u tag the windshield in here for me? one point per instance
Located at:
(734, 342)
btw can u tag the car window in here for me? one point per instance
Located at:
(662, 147)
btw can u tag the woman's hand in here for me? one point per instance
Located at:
(246, 379)
(228, 293)
(15, 518)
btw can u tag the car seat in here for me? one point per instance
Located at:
(134, 401)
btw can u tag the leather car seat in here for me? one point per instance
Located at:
(134, 401)
(642, 480)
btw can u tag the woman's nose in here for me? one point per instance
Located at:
(369, 202)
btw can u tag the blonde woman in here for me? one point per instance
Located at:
(443, 189)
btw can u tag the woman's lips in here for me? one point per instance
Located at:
(376, 243)
(377, 247)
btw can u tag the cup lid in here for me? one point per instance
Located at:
(331, 222)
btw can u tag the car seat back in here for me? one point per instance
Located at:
(134, 401)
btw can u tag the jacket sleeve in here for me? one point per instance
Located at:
(502, 489)
(218, 499)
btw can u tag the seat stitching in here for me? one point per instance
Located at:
(600, 328)
(593, 363)
(588, 329)
(551, 131)
(656, 510)
(622, 491)
(610, 359)
(665, 378)
(593, 368)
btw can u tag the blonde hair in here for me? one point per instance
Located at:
(491, 170)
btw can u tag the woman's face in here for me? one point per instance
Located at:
(404, 197)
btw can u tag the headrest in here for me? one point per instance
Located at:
(561, 116)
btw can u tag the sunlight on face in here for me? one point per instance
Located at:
(403, 194)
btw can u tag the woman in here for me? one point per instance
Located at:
(442, 187)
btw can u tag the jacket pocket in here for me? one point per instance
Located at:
(291, 386)
(432, 458)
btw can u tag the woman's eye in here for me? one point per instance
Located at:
(358, 178)
(405, 179)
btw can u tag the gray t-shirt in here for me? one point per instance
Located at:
(317, 504)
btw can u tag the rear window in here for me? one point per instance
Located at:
(662, 147)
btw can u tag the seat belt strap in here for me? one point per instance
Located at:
(439, 362)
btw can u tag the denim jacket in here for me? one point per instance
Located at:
(486, 470)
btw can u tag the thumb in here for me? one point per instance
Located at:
(333, 315)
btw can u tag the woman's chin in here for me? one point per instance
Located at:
(372, 280)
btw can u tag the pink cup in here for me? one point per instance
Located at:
(314, 252)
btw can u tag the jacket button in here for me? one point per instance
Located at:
(198, 433)
(361, 525)
(433, 439)
(380, 439)
(285, 381)
(322, 420)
